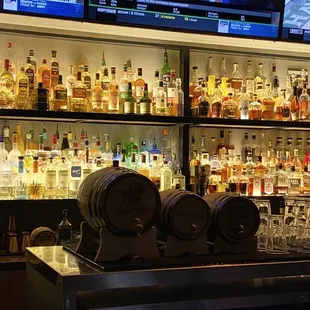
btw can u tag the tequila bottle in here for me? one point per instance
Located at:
(165, 177)
(63, 179)
(22, 90)
(20, 183)
(50, 180)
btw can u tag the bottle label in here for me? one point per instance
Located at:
(268, 186)
(307, 181)
(69, 86)
(203, 109)
(5, 179)
(76, 171)
(257, 186)
(79, 93)
(97, 99)
(30, 74)
(60, 94)
(86, 172)
(46, 78)
(167, 180)
(113, 101)
(294, 183)
(130, 107)
(42, 95)
(50, 179)
(139, 91)
(123, 88)
(282, 181)
(7, 83)
(87, 81)
(231, 153)
(63, 178)
(54, 73)
(244, 104)
(250, 86)
(145, 107)
(22, 87)
(155, 91)
(166, 80)
(161, 104)
(64, 235)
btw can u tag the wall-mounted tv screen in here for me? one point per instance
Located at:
(61, 8)
(296, 21)
(250, 18)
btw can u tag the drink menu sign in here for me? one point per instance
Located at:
(250, 18)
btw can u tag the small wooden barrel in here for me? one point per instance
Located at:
(234, 217)
(184, 215)
(123, 201)
(42, 236)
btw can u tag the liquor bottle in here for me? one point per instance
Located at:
(19, 188)
(296, 162)
(130, 104)
(195, 169)
(3, 151)
(165, 71)
(249, 80)
(193, 82)
(139, 85)
(113, 105)
(171, 94)
(64, 230)
(233, 182)
(294, 182)
(244, 102)
(224, 76)
(75, 172)
(54, 64)
(306, 182)
(178, 181)
(133, 164)
(273, 76)
(63, 180)
(20, 140)
(260, 78)
(213, 182)
(13, 154)
(105, 82)
(9, 56)
(211, 76)
(230, 147)
(304, 100)
(131, 73)
(87, 81)
(50, 180)
(44, 75)
(155, 172)
(221, 144)
(60, 100)
(243, 183)
(143, 169)
(195, 99)
(179, 110)
(22, 90)
(42, 98)
(70, 80)
(268, 105)
(6, 78)
(230, 108)
(36, 183)
(203, 103)
(165, 177)
(103, 67)
(108, 156)
(79, 95)
(123, 89)
(7, 140)
(33, 62)
(236, 78)
(146, 102)
(281, 182)
(161, 99)
(97, 97)
(216, 105)
(255, 109)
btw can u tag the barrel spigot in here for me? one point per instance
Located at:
(138, 227)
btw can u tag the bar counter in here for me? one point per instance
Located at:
(60, 279)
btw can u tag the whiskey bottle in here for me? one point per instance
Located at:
(203, 104)
(216, 105)
(244, 102)
(179, 110)
(304, 100)
(54, 64)
(22, 90)
(60, 100)
(42, 98)
(230, 108)
(236, 78)
(64, 230)
(249, 80)
(211, 76)
(130, 104)
(295, 107)
(139, 85)
(79, 95)
(44, 75)
(193, 82)
(268, 105)
(113, 105)
(97, 97)
(146, 102)
(30, 72)
(255, 109)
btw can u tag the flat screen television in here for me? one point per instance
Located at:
(245, 18)
(296, 20)
(72, 9)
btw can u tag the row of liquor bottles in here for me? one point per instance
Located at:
(253, 96)
(34, 170)
(260, 169)
(82, 91)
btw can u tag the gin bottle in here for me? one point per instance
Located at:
(13, 154)
(165, 177)
(50, 181)
(63, 180)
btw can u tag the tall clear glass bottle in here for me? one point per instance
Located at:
(63, 179)
(304, 101)
(194, 81)
(211, 76)
(161, 100)
(165, 71)
(180, 98)
(20, 184)
(36, 184)
(50, 180)
(13, 154)
(123, 89)
(70, 80)
(113, 105)
(236, 79)
(97, 97)
(165, 177)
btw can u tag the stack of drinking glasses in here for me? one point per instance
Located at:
(287, 232)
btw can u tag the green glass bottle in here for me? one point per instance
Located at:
(165, 71)
(146, 102)
(130, 104)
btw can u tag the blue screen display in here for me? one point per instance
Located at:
(251, 18)
(61, 8)
(296, 21)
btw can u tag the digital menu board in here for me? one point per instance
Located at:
(250, 18)
(61, 8)
(296, 20)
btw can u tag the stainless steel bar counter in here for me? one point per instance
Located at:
(60, 279)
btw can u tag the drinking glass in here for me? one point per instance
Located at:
(303, 240)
